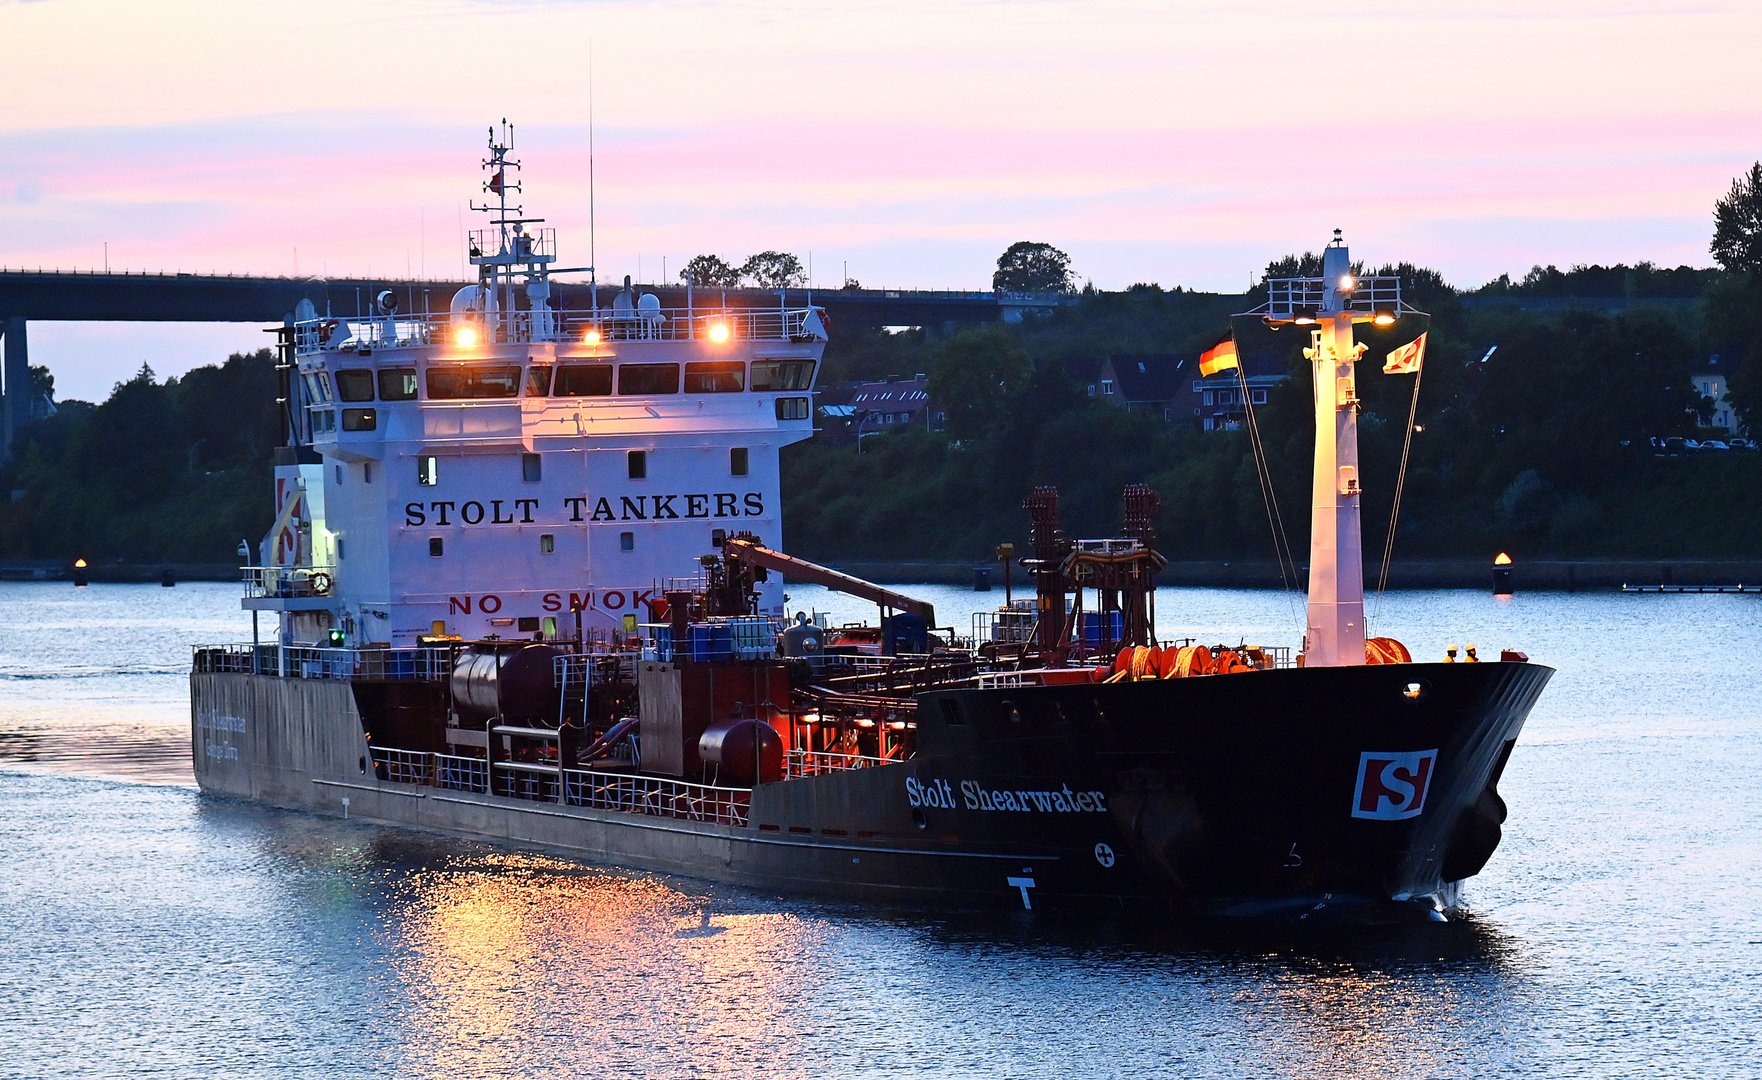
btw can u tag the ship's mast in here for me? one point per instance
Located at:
(511, 248)
(1328, 306)
(1335, 634)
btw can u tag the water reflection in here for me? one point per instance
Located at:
(513, 963)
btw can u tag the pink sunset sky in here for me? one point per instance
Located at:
(1179, 142)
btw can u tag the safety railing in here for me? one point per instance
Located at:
(461, 773)
(820, 762)
(287, 582)
(402, 766)
(474, 329)
(310, 662)
(623, 792)
(656, 797)
(1287, 297)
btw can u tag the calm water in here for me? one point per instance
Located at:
(149, 930)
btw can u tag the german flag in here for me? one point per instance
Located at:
(1220, 357)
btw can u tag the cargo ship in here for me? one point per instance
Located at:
(524, 582)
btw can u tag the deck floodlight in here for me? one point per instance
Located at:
(1384, 317)
(467, 336)
(1303, 315)
(592, 337)
(718, 331)
(1347, 284)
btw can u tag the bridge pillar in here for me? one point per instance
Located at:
(16, 402)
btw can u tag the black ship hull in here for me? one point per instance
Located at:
(1251, 793)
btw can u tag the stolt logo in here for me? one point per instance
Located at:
(1392, 787)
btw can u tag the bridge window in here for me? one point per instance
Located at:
(354, 384)
(639, 464)
(782, 374)
(397, 384)
(538, 380)
(547, 543)
(473, 381)
(792, 408)
(627, 541)
(715, 377)
(532, 468)
(645, 380)
(583, 380)
(737, 461)
(435, 547)
(323, 420)
(360, 419)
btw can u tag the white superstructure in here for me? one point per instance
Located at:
(504, 467)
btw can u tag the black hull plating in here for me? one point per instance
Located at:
(1235, 792)
(1232, 794)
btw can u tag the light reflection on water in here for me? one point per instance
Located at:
(151, 929)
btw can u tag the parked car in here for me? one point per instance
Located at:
(1676, 444)
(1742, 444)
(1713, 444)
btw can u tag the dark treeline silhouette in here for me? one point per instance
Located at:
(1541, 450)
(172, 471)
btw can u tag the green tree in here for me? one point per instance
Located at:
(774, 270)
(1027, 266)
(710, 272)
(1737, 225)
(974, 375)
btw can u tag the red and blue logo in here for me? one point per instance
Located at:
(1392, 787)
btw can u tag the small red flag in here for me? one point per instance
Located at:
(495, 183)
(1407, 358)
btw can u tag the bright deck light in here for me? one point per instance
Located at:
(1502, 560)
(467, 336)
(718, 331)
(592, 337)
(1346, 283)
(1384, 318)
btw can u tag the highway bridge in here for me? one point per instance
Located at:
(180, 297)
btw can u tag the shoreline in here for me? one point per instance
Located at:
(1559, 575)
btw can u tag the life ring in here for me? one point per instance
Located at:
(320, 583)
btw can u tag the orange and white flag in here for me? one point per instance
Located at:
(1407, 358)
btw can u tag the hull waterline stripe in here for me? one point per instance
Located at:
(720, 836)
(370, 787)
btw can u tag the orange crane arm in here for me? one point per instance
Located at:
(813, 573)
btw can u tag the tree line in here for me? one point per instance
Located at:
(1539, 446)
